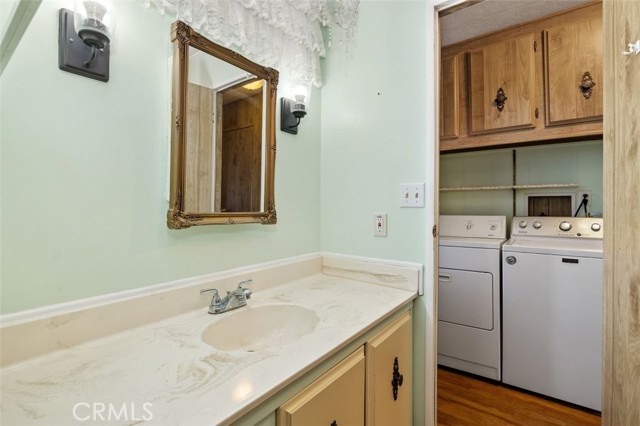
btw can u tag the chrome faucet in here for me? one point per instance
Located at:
(234, 299)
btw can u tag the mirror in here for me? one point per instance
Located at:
(222, 135)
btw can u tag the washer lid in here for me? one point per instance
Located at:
(486, 243)
(555, 246)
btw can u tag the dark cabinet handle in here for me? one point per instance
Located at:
(397, 379)
(334, 423)
(500, 99)
(586, 85)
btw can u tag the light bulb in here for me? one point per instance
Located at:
(95, 21)
(300, 94)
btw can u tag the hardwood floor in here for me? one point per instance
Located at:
(467, 401)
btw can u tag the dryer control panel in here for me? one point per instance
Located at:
(567, 227)
(473, 226)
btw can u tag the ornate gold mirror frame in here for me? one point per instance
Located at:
(182, 37)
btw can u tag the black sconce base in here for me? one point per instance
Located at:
(73, 53)
(288, 122)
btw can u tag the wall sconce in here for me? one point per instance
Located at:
(292, 111)
(84, 37)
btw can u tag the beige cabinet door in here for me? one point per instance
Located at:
(449, 97)
(389, 372)
(335, 399)
(502, 86)
(573, 73)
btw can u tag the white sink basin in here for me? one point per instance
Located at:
(252, 329)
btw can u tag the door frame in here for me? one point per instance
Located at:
(621, 322)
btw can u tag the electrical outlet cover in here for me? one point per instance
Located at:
(380, 225)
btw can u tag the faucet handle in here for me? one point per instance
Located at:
(245, 282)
(216, 297)
(247, 292)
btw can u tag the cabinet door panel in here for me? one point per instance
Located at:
(449, 97)
(571, 51)
(337, 396)
(393, 343)
(510, 66)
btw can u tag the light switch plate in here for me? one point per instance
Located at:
(412, 195)
(380, 225)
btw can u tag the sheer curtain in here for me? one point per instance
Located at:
(282, 34)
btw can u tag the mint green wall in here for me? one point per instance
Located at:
(576, 162)
(378, 132)
(84, 166)
(6, 11)
(375, 133)
(84, 175)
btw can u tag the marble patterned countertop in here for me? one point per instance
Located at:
(164, 374)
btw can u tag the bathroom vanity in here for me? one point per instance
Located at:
(271, 362)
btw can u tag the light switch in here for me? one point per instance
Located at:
(412, 195)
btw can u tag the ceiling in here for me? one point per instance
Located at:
(492, 15)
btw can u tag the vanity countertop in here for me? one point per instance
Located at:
(166, 371)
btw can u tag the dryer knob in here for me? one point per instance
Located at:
(537, 225)
(522, 224)
(565, 226)
(595, 227)
(511, 260)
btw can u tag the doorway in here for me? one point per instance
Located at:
(472, 16)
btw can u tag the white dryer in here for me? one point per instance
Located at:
(552, 308)
(469, 293)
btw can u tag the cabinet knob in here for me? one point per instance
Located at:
(334, 423)
(397, 379)
(500, 99)
(586, 85)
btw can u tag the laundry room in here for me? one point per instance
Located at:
(552, 170)
(520, 277)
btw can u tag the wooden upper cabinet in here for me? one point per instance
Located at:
(502, 86)
(540, 67)
(450, 97)
(573, 72)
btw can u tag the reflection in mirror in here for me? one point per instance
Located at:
(222, 159)
(224, 137)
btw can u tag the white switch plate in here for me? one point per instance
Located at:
(380, 225)
(412, 195)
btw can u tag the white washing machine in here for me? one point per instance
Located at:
(469, 293)
(552, 308)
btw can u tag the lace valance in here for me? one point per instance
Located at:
(282, 34)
